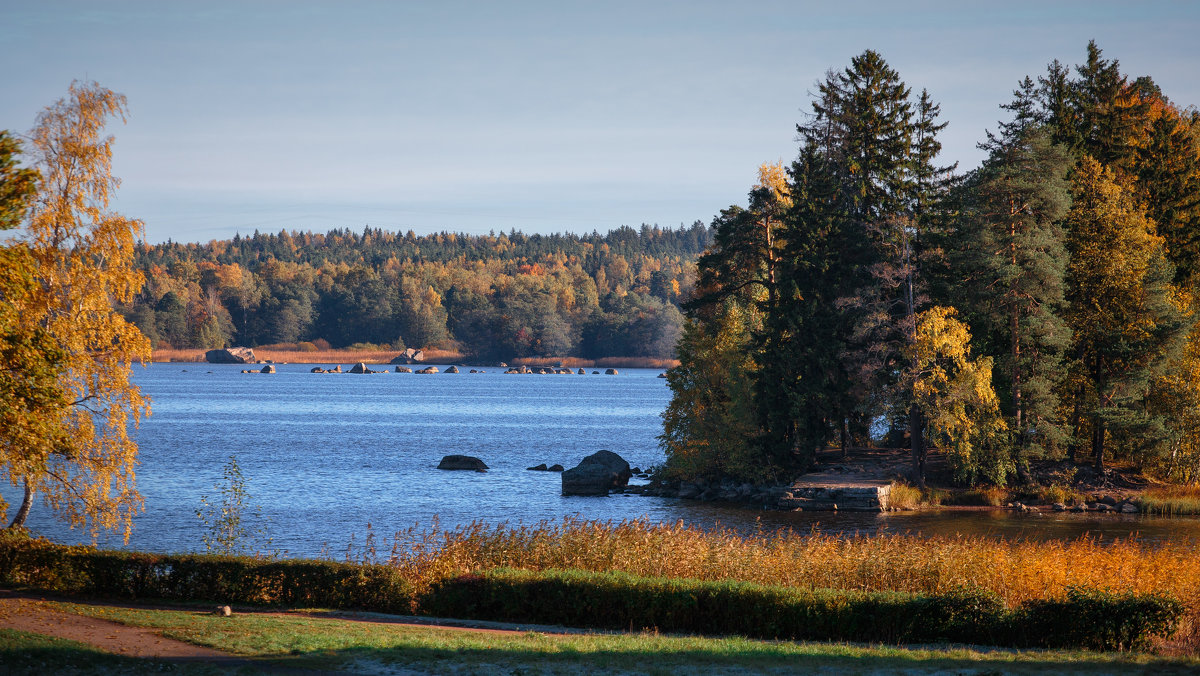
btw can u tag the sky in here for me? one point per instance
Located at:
(540, 116)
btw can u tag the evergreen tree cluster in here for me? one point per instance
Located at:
(490, 296)
(1040, 305)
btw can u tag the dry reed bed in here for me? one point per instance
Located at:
(1017, 571)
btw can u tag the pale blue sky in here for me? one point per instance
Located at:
(545, 117)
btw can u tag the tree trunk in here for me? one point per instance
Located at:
(1076, 417)
(1098, 444)
(916, 439)
(22, 513)
(845, 434)
(1014, 334)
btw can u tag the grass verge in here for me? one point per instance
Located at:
(313, 642)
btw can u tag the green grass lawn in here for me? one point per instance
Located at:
(324, 643)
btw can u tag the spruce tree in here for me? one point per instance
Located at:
(881, 152)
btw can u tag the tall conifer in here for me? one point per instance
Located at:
(1015, 263)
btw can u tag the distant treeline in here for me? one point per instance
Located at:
(492, 296)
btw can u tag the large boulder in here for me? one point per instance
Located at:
(269, 368)
(409, 356)
(360, 367)
(230, 355)
(453, 369)
(403, 369)
(596, 475)
(463, 462)
(428, 369)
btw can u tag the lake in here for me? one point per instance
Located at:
(325, 455)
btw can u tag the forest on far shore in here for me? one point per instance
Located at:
(490, 296)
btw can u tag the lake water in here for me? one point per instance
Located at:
(325, 455)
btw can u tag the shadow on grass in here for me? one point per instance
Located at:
(28, 653)
(831, 658)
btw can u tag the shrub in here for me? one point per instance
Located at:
(1097, 619)
(1085, 618)
(622, 601)
(137, 575)
(992, 496)
(904, 496)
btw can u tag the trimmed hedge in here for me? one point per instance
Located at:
(620, 601)
(194, 577)
(1094, 619)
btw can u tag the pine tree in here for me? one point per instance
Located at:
(1014, 260)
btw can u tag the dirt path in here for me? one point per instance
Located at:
(28, 613)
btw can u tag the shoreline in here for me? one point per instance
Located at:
(433, 357)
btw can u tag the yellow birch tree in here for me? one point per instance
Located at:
(82, 263)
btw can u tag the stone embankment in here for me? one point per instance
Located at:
(763, 497)
(859, 487)
(813, 493)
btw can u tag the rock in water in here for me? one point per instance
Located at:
(429, 369)
(596, 475)
(464, 462)
(403, 369)
(360, 367)
(230, 355)
(452, 369)
(268, 369)
(610, 372)
(409, 356)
